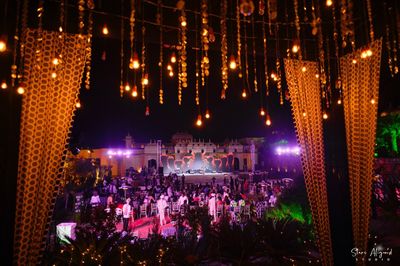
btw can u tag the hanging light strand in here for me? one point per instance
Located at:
(88, 65)
(121, 84)
(336, 43)
(224, 48)
(265, 58)
(254, 55)
(370, 22)
(205, 62)
(81, 15)
(246, 54)
(160, 20)
(143, 64)
(239, 43)
(182, 51)
(298, 29)
(197, 97)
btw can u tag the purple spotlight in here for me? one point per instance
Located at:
(287, 151)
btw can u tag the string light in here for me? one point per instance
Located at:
(3, 46)
(105, 30)
(134, 61)
(134, 91)
(303, 69)
(145, 80)
(127, 87)
(295, 48)
(78, 105)
(53, 75)
(244, 94)
(339, 101)
(4, 85)
(224, 48)
(262, 112)
(173, 58)
(171, 74)
(325, 116)
(268, 121)
(232, 62)
(354, 61)
(329, 3)
(55, 61)
(198, 121)
(372, 101)
(21, 90)
(207, 114)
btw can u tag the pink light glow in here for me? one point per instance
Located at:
(126, 153)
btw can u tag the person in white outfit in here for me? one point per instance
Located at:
(161, 204)
(182, 200)
(95, 199)
(126, 213)
(212, 209)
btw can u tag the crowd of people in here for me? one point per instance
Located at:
(162, 196)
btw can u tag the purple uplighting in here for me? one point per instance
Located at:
(288, 150)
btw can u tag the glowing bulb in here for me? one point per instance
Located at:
(339, 101)
(145, 80)
(198, 121)
(369, 52)
(3, 46)
(373, 101)
(105, 30)
(329, 2)
(304, 69)
(325, 116)
(295, 48)
(232, 63)
(78, 105)
(262, 112)
(354, 61)
(54, 75)
(244, 94)
(20, 90)
(304, 114)
(207, 115)
(55, 61)
(317, 76)
(4, 85)
(183, 23)
(268, 121)
(169, 67)
(134, 92)
(127, 87)
(273, 76)
(364, 54)
(173, 58)
(171, 74)
(134, 61)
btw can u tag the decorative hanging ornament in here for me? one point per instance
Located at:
(232, 62)
(261, 7)
(246, 7)
(198, 121)
(147, 112)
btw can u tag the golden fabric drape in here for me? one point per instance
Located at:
(360, 73)
(305, 99)
(47, 113)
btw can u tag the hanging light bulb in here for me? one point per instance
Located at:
(232, 62)
(127, 87)
(244, 94)
(198, 121)
(207, 115)
(3, 46)
(171, 74)
(364, 55)
(304, 114)
(134, 61)
(147, 113)
(372, 101)
(55, 61)
(21, 89)
(317, 76)
(78, 105)
(339, 101)
(295, 47)
(145, 80)
(303, 69)
(134, 91)
(169, 67)
(369, 52)
(173, 58)
(268, 121)
(325, 116)
(262, 112)
(53, 75)
(329, 2)
(105, 30)
(354, 61)
(4, 85)
(183, 23)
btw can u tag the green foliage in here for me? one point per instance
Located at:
(387, 135)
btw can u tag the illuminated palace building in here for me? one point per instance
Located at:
(184, 154)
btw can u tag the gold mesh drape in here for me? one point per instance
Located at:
(360, 97)
(47, 113)
(306, 108)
